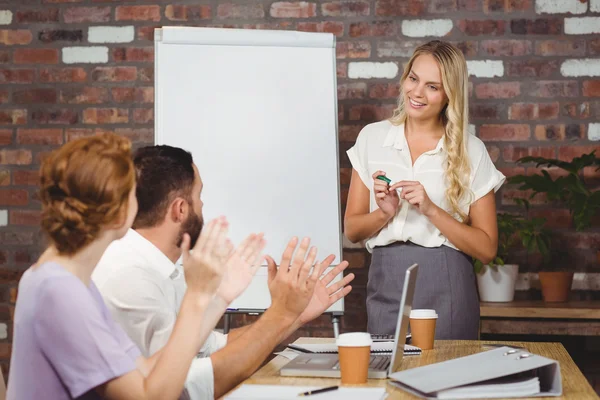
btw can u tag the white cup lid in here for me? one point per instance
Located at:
(354, 339)
(423, 314)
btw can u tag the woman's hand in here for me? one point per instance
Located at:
(415, 194)
(386, 198)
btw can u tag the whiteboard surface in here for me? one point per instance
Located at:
(261, 124)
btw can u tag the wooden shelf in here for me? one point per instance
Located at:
(539, 309)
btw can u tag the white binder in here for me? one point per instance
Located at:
(502, 372)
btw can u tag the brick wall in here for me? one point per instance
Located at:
(76, 67)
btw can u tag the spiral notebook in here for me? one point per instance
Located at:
(331, 348)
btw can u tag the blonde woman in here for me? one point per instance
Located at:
(439, 208)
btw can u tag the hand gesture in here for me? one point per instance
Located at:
(386, 198)
(324, 296)
(292, 284)
(415, 194)
(241, 266)
(203, 267)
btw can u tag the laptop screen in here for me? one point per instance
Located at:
(403, 317)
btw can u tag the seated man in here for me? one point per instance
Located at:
(143, 287)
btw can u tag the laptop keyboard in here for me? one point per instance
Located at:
(377, 363)
(382, 337)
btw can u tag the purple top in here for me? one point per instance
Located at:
(65, 342)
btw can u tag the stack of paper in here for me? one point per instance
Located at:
(272, 392)
(503, 388)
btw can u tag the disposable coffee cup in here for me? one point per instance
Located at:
(354, 351)
(422, 328)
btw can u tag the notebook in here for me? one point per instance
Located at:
(331, 348)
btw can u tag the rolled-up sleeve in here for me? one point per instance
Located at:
(357, 155)
(215, 341)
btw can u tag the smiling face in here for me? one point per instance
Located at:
(424, 95)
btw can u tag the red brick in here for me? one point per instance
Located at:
(341, 112)
(591, 88)
(533, 111)
(4, 97)
(61, 1)
(17, 75)
(509, 196)
(58, 117)
(5, 137)
(26, 177)
(33, 16)
(36, 56)
(506, 47)
(187, 12)
(482, 27)
(512, 171)
(40, 136)
(143, 115)
(133, 95)
(577, 110)
(567, 153)
(384, 91)
(146, 32)
(356, 259)
(105, 116)
(337, 28)
(15, 157)
(491, 6)
(62, 75)
(84, 95)
(560, 132)
(133, 54)
(507, 132)
(138, 13)
(594, 46)
(368, 112)
(342, 70)
(146, 74)
(13, 197)
(301, 9)
(137, 135)
(552, 89)
(353, 50)
(34, 96)
(5, 56)
(60, 35)
(25, 217)
(17, 36)
(18, 238)
(240, 11)
(469, 5)
(354, 90)
(555, 218)
(87, 14)
(574, 47)
(23, 257)
(114, 74)
(513, 153)
(398, 8)
(484, 111)
(542, 26)
(4, 177)
(469, 48)
(349, 133)
(345, 9)
(500, 90)
(13, 117)
(375, 28)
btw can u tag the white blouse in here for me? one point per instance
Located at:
(383, 146)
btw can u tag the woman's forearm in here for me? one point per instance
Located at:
(363, 226)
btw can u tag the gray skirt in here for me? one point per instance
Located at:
(445, 282)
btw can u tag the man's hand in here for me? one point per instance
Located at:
(241, 266)
(292, 285)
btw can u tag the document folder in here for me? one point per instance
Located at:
(502, 372)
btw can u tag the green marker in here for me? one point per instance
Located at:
(384, 178)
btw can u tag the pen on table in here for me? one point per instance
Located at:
(327, 389)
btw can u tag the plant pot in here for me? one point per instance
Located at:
(497, 284)
(556, 285)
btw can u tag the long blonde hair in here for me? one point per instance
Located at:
(455, 117)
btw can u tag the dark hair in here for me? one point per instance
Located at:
(84, 186)
(163, 173)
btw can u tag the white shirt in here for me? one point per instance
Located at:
(143, 290)
(383, 146)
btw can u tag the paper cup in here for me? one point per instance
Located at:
(354, 351)
(422, 328)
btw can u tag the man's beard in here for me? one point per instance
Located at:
(192, 226)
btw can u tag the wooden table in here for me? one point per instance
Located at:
(575, 386)
(580, 318)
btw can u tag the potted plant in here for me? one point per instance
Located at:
(496, 280)
(569, 190)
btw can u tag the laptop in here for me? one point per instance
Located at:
(381, 365)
